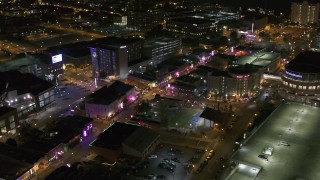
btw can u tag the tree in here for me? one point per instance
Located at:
(243, 37)
(265, 36)
(163, 113)
(151, 70)
(156, 31)
(143, 108)
(27, 132)
(234, 35)
(103, 75)
(11, 142)
(223, 40)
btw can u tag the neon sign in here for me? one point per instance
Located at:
(294, 75)
(56, 58)
(241, 77)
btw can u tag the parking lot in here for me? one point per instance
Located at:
(173, 162)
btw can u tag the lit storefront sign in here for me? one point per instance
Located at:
(241, 77)
(56, 58)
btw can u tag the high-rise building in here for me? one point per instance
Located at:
(161, 48)
(144, 20)
(110, 56)
(305, 13)
(109, 61)
(190, 27)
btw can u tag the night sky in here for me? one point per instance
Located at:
(277, 5)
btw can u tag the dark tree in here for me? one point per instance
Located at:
(143, 108)
(163, 113)
(234, 35)
(11, 142)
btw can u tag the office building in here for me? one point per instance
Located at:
(25, 92)
(305, 13)
(191, 27)
(109, 62)
(161, 48)
(144, 20)
(111, 56)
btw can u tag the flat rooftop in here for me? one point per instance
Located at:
(305, 62)
(113, 136)
(106, 95)
(17, 63)
(23, 82)
(295, 124)
(259, 59)
(191, 20)
(6, 109)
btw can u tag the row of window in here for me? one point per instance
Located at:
(301, 87)
(3, 127)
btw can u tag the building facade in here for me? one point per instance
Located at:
(159, 49)
(301, 77)
(305, 13)
(8, 120)
(235, 83)
(144, 20)
(26, 92)
(190, 27)
(109, 61)
(108, 101)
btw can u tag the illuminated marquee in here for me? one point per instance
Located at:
(294, 75)
(56, 58)
(241, 77)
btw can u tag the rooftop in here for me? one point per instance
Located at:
(83, 171)
(40, 145)
(12, 168)
(159, 41)
(20, 154)
(141, 139)
(76, 123)
(112, 40)
(214, 115)
(144, 76)
(187, 79)
(6, 109)
(17, 63)
(261, 59)
(295, 124)
(245, 69)
(305, 62)
(23, 82)
(181, 84)
(191, 20)
(113, 136)
(106, 95)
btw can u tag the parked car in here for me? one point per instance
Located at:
(152, 156)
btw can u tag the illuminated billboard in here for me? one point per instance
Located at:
(56, 58)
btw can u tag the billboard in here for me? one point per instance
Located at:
(56, 58)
